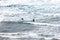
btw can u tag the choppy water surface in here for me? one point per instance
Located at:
(25, 31)
(45, 12)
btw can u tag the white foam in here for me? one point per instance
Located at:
(47, 24)
(19, 35)
(24, 35)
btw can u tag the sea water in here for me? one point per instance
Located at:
(25, 31)
(45, 12)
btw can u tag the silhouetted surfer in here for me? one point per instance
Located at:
(22, 19)
(33, 20)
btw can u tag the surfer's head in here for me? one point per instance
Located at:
(33, 20)
(22, 19)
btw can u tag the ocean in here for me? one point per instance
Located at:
(46, 14)
(29, 31)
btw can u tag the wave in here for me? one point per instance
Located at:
(25, 35)
(31, 22)
(34, 34)
(46, 24)
(19, 35)
(35, 23)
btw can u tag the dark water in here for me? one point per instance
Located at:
(37, 30)
(16, 27)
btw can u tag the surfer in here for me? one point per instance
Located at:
(22, 19)
(33, 20)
